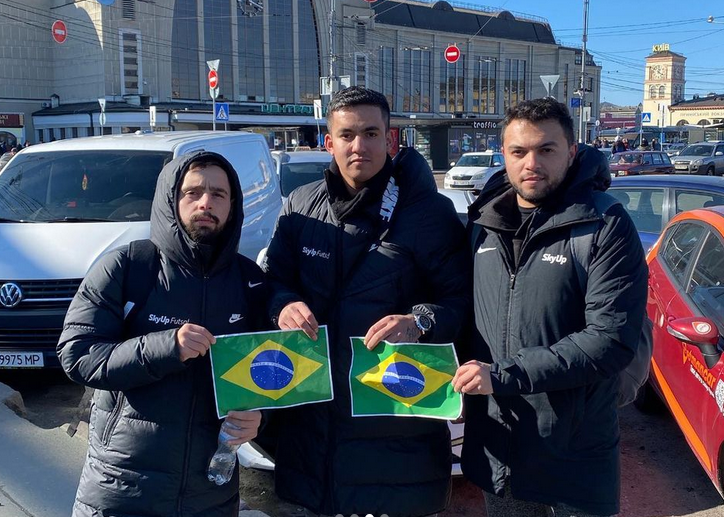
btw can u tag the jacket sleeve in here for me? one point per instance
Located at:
(441, 252)
(280, 264)
(91, 348)
(615, 308)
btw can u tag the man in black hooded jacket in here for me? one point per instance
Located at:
(372, 250)
(541, 428)
(153, 425)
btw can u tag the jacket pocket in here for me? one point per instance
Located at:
(113, 420)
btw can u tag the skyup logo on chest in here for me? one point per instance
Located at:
(554, 259)
(311, 252)
(165, 320)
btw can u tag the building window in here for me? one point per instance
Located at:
(309, 63)
(514, 86)
(361, 33)
(130, 63)
(184, 61)
(652, 92)
(662, 91)
(387, 73)
(416, 80)
(281, 87)
(128, 9)
(452, 85)
(578, 59)
(360, 69)
(484, 85)
(217, 42)
(565, 83)
(250, 45)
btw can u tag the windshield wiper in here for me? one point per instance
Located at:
(76, 220)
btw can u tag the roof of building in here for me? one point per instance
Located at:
(665, 53)
(441, 16)
(710, 101)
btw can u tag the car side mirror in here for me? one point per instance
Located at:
(452, 164)
(718, 153)
(497, 164)
(701, 332)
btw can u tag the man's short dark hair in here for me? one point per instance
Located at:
(358, 96)
(538, 110)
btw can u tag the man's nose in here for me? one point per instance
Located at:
(205, 200)
(357, 144)
(532, 161)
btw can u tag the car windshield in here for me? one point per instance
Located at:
(625, 158)
(696, 150)
(479, 160)
(81, 186)
(295, 175)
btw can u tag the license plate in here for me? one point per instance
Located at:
(681, 167)
(461, 183)
(21, 360)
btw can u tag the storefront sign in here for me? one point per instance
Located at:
(7, 120)
(485, 124)
(296, 109)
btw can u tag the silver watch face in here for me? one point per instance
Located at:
(424, 323)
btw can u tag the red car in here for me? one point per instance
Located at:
(633, 163)
(686, 306)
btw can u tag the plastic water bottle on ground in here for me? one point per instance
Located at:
(221, 467)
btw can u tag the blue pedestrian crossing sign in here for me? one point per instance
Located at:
(221, 114)
(646, 117)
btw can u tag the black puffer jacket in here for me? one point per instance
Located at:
(326, 460)
(153, 424)
(551, 425)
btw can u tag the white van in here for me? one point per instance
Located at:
(66, 203)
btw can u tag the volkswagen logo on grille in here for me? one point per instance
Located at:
(10, 295)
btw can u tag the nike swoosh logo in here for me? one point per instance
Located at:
(252, 286)
(483, 250)
(235, 318)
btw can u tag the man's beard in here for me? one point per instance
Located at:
(204, 234)
(536, 198)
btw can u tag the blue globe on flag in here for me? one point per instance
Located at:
(403, 379)
(272, 370)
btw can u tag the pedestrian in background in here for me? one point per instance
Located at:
(541, 428)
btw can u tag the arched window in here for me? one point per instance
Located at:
(683, 122)
(703, 122)
(652, 91)
(662, 91)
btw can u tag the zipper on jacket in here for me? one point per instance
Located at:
(113, 420)
(187, 445)
(328, 496)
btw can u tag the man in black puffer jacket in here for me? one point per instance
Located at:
(153, 425)
(541, 428)
(372, 250)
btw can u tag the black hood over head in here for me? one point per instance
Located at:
(169, 235)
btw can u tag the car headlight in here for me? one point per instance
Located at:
(479, 175)
(697, 162)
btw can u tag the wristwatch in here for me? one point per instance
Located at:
(423, 322)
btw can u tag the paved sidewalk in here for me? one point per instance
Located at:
(40, 468)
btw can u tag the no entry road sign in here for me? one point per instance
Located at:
(452, 54)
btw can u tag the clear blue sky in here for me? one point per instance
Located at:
(621, 34)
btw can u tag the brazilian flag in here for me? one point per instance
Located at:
(404, 379)
(264, 370)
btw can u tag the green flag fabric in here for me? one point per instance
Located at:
(265, 370)
(404, 379)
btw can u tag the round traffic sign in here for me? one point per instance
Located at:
(452, 54)
(213, 79)
(59, 31)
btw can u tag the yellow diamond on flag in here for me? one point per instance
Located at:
(271, 370)
(404, 379)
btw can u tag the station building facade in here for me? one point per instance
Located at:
(135, 54)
